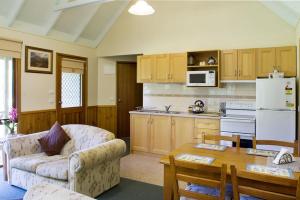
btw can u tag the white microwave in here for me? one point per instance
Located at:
(201, 78)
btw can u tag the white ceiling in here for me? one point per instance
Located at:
(87, 24)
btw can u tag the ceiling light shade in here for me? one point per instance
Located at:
(141, 7)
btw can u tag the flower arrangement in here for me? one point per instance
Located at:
(11, 122)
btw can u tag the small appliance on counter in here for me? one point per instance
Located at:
(198, 107)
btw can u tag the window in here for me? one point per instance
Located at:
(6, 86)
(71, 93)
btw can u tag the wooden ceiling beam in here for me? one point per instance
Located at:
(14, 13)
(78, 3)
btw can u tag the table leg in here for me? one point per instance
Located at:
(4, 158)
(167, 183)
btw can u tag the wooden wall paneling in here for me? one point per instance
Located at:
(92, 116)
(107, 117)
(36, 121)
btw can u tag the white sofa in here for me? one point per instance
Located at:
(46, 191)
(89, 163)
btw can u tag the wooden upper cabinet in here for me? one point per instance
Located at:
(178, 67)
(140, 132)
(145, 68)
(229, 65)
(160, 134)
(265, 61)
(281, 58)
(182, 131)
(246, 64)
(286, 60)
(161, 68)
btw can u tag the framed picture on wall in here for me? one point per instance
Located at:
(38, 60)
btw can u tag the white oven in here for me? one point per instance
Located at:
(201, 78)
(239, 119)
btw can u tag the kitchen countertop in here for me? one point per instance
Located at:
(213, 115)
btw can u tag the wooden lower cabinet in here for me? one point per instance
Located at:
(160, 134)
(139, 132)
(182, 131)
(160, 141)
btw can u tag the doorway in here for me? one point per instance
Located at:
(129, 96)
(71, 89)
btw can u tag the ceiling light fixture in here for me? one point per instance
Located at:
(141, 7)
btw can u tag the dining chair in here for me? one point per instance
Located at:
(196, 174)
(293, 145)
(253, 184)
(233, 138)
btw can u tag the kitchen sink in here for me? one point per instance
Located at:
(160, 111)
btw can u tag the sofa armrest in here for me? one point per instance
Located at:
(23, 145)
(104, 152)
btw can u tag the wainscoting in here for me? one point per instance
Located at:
(107, 117)
(104, 116)
(35, 121)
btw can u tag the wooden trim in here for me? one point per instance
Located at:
(37, 111)
(18, 78)
(59, 57)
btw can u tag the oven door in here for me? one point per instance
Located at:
(197, 78)
(243, 127)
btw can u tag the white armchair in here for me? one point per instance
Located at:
(89, 163)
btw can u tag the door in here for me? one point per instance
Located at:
(71, 82)
(275, 125)
(229, 65)
(129, 96)
(182, 131)
(178, 67)
(162, 68)
(286, 60)
(160, 134)
(246, 64)
(265, 63)
(145, 68)
(140, 132)
(276, 94)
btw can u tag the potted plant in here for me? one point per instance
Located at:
(11, 122)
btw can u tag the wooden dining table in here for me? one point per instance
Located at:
(230, 156)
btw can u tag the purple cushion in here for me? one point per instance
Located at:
(54, 141)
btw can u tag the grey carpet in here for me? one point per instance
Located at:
(126, 190)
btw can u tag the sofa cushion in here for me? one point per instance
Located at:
(54, 141)
(54, 169)
(30, 162)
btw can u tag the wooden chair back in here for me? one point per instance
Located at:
(254, 184)
(293, 145)
(195, 173)
(234, 138)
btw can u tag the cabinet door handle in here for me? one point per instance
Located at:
(235, 72)
(239, 72)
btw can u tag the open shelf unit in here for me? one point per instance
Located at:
(195, 58)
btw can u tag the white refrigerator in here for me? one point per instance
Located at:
(276, 110)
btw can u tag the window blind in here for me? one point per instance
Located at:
(10, 48)
(72, 66)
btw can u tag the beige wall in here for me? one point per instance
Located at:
(38, 89)
(107, 78)
(195, 25)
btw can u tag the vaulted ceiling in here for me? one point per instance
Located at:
(86, 22)
(79, 21)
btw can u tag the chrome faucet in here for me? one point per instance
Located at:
(167, 108)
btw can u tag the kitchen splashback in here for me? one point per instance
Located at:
(180, 96)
